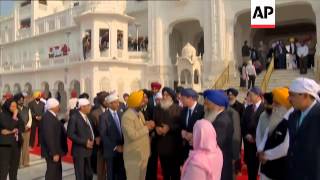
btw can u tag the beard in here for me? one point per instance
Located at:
(210, 115)
(165, 104)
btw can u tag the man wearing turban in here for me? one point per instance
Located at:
(272, 137)
(136, 148)
(216, 103)
(54, 144)
(304, 130)
(37, 108)
(169, 141)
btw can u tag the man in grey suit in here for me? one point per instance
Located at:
(112, 139)
(81, 133)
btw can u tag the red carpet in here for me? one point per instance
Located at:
(68, 159)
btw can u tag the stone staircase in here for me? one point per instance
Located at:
(279, 78)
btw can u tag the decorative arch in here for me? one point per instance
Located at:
(28, 88)
(185, 78)
(196, 76)
(61, 95)
(75, 85)
(6, 89)
(16, 88)
(45, 88)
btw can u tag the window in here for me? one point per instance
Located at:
(76, 4)
(196, 77)
(103, 41)
(120, 39)
(25, 3)
(44, 2)
(25, 23)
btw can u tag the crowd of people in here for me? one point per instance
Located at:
(192, 139)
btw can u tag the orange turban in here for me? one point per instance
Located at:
(280, 96)
(135, 99)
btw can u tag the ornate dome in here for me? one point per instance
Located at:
(188, 51)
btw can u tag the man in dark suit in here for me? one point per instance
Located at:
(54, 141)
(81, 133)
(216, 103)
(112, 139)
(249, 125)
(37, 109)
(97, 160)
(191, 112)
(123, 105)
(304, 130)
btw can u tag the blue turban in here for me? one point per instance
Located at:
(188, 92)
(217, 97)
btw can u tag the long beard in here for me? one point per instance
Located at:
(210, 115)
(165, 104)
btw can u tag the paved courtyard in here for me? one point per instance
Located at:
(37, 170)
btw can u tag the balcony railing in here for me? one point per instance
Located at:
(23, 33)
(33, 64)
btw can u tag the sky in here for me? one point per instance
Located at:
(6, 7)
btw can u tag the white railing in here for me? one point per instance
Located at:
(24, 33)
(138, 56)
(56, 21)
(33, 64)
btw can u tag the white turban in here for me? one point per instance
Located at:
(112, 97)
(83, 102)
(158, 95)
(305, 85)
(52, 103)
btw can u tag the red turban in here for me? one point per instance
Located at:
(155, 85)
(8, 95)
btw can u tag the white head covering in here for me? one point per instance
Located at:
(112, 97)
(158, 95)
(305, 85)
(52, 103)
(83, 102)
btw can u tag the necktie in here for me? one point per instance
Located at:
(189, 116)
(301, 119)
(116, 118)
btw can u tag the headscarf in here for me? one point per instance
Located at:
(6, 106)
(135, 99)
(206, 153)
(305, 85)
(74, 94)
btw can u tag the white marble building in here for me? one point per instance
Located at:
(42, 43)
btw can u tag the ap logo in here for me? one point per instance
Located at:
(263, 14)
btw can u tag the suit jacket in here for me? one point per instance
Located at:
(110, 134)
(95, 117)
(123, 107)
(239, 107)
(250, 120)
(236, 137)
(271, 168)
(6, 122)
(136, 137)
(197, 114)
(224, 129)
(304, 148)
(37, 109)
(171, 143)
(79, 132)
(54, 136)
